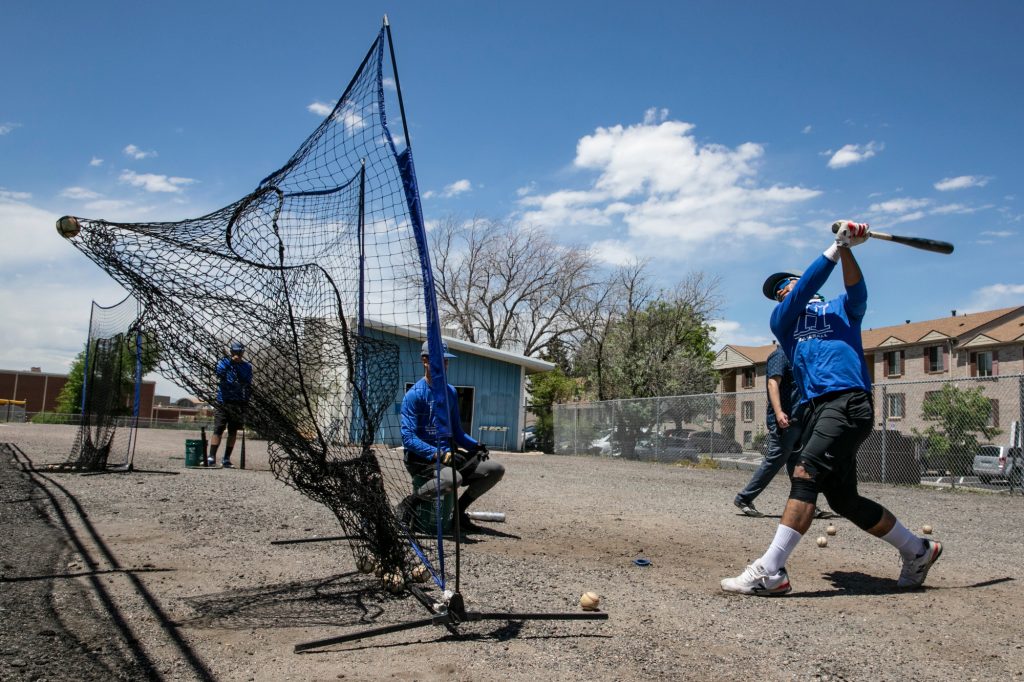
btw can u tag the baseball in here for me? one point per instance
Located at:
(394, 582)
(822, 541)
(926, 529)
(420, 574)
(831, 530)
(589, 601)
(365, 564)
(68, 227)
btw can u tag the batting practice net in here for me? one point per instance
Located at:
(112, 379)
(323, 273)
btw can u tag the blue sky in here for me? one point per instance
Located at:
(723, 137)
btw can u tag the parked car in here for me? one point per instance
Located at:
(711, 442)
(666, 449)
(603, 446)
(998, 461)
(529, 438)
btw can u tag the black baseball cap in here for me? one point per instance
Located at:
(771, 285)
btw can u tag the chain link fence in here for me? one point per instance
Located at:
(945, 432)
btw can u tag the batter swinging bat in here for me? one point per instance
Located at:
(917, 242)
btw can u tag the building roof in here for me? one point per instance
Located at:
(989, 327)
(958, 327)
(531, 365)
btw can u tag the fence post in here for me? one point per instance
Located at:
(885, 427)
(1016, 473)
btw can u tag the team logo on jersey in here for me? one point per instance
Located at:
(813, 324)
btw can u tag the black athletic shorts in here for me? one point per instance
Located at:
(835, 425)
(230, 413)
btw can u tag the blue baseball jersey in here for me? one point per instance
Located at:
(235, 380)
(822, 339)
(419, 430)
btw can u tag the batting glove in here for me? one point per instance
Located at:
(851, 234)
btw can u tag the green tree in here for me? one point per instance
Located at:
(69, 400)
(545, 390)
(960, 414)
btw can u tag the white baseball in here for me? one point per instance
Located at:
(589, 601)
(831, 530)
(926, 529)
(822, 541)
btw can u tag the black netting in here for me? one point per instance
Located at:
(317, 272)
(110, 388)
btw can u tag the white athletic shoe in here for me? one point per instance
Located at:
(755, 580)
(916, 570)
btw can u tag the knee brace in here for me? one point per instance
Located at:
(804, 489)
(864, 513)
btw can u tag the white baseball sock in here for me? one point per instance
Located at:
(785, 541)
(900, 537)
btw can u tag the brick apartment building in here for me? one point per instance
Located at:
(983, 346)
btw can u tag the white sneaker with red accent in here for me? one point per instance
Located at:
(915, 570)
(755, 580)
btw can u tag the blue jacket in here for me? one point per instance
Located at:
(822, 339)
(419, 433)
(235, 380)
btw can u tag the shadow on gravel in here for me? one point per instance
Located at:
(112, 621)
(856, 583)
(340, 600)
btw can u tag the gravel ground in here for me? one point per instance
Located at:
(170, 573)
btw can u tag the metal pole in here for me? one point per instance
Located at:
(885, 426)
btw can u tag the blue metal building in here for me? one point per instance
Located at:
(491, 385)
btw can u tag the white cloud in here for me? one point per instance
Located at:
(429, 194)
(807, 130)
(961, 182)
(6, 128)
(908, 217)
(947, 209)
(854, 153)
(901, 205)
(109, 206)
(350, 117)
(80, 193)
(95, 161)
(613, 252)
(729, 332)
(321, 108)
(10, 195)
(666, 189)
(389, 84)
(457, 187)
(998, 233)
(997, 296)
(133, 152)
(152, 182)
(529, 188)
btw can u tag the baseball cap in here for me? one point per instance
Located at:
(237, 347)
(425, 350)
(771, 285)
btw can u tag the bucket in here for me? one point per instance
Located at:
(194, 454)
(425, 517)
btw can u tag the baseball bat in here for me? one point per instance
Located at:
(933, 245)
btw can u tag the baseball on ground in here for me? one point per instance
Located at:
(822, 541)
(926, 529)
(589, 601)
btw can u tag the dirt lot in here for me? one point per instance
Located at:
(169, 573)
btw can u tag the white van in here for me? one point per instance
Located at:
(1001, 461)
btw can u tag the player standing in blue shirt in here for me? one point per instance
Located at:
(822, 340)
(234, 387)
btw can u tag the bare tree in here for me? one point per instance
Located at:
(508, 287)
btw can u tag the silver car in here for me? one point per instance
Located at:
(998, 461)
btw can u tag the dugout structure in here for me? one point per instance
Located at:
(111, 385)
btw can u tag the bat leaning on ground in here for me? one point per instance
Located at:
(916, 242)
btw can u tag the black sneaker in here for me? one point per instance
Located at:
(227, 464)
(466, 525)
(820, 513)
(748, 508)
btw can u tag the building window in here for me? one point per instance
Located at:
(933, 359)
(993, 415)
(895, 405)
(894, 363)
(748, 410)
(748, 377)
(748, 439)
(984, 363)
